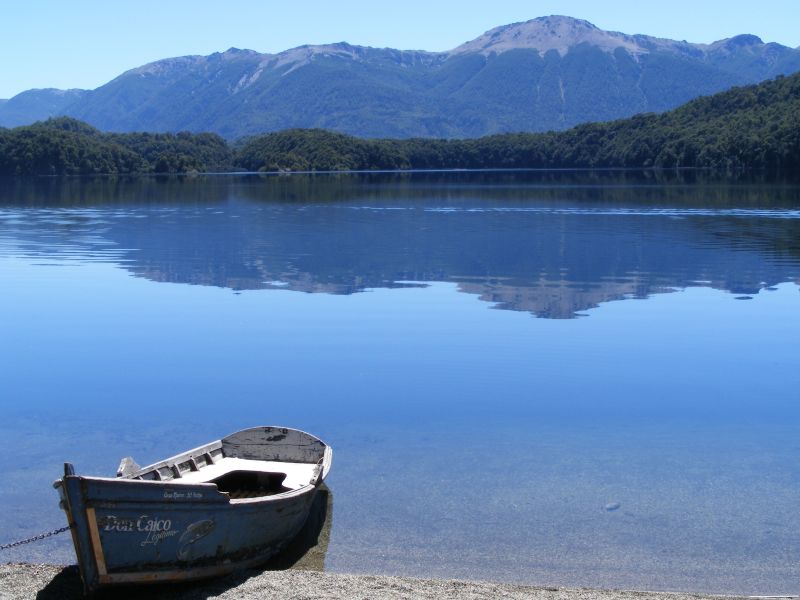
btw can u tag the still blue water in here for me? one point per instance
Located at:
(574, 379)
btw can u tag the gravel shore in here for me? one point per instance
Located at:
(48, 582)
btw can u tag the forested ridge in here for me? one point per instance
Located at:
(65, 146)
(753, 127)
(756, 127)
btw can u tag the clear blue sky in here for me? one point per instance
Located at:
(85, 43)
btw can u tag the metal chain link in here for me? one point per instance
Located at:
(36, 538)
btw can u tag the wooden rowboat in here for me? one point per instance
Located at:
(230, 504)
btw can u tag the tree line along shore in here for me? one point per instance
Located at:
(754, 127)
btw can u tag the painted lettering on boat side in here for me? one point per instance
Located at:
(176, 495)
(155, 528)
(154, 537)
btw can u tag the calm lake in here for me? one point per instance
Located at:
(551, 378)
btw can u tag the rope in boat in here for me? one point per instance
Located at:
(36, 538)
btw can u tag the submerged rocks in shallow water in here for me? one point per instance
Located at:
(612, 506)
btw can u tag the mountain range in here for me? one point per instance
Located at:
(549, 73)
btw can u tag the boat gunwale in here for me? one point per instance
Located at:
(206, 487)
(172, 462)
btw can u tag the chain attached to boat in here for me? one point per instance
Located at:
(36, 538)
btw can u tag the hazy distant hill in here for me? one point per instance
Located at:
(548, 73)
(35, 105)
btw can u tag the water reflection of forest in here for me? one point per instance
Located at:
(639, 187)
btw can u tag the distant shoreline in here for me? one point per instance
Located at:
(722, 173)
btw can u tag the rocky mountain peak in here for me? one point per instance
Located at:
(555, 32)
(167, 66)
(744, 40)
(233, 52)
(740, 44)
(303, 55)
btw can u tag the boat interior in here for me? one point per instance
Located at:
(245, 468)
(242, 478)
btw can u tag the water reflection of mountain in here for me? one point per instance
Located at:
(551, 244)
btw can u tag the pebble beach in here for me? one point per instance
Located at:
(51, 582)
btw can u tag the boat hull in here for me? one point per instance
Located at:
(138, 532)
(230, 504)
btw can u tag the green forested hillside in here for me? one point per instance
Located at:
(65, 146)
(750, 127)
(178, 152)
(320, 150)
(755, 127)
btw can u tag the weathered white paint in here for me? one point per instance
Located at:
(297, 474)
